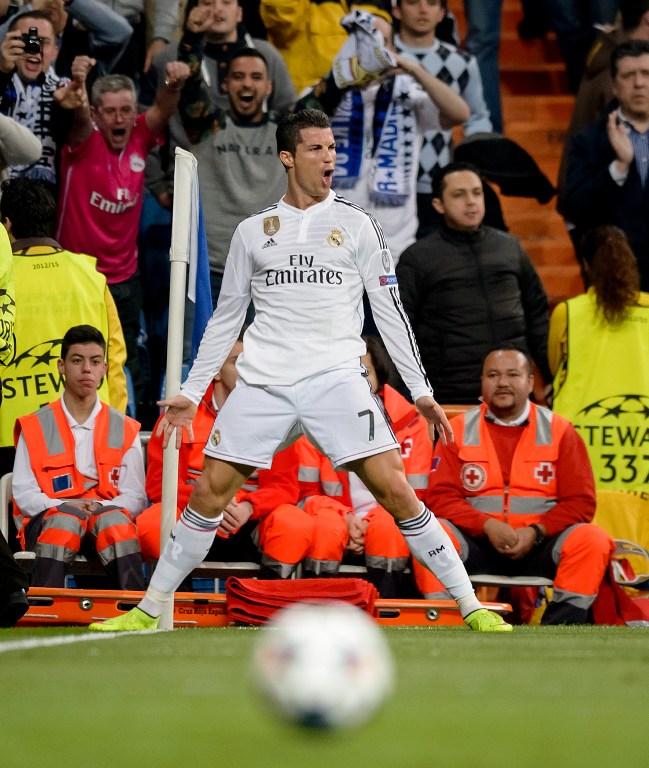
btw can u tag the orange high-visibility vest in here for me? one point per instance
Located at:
(51, 450)
(532, 487)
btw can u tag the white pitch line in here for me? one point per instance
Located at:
(31, 643)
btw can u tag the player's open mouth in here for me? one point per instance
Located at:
(246, 98)
(119, 133)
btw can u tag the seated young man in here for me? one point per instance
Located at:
(78, 478)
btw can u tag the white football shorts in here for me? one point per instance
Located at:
(335, 409)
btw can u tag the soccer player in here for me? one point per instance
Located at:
(305, 263)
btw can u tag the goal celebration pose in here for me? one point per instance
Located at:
(305, 263)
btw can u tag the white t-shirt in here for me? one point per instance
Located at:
(306, 271)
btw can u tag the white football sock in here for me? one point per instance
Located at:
(433, 548)
(187, 547)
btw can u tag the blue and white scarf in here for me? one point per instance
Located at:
(394, 142)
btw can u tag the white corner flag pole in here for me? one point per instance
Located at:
(181, 224)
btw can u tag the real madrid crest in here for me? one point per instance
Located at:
(271, 225)
(215, 437)
(335, 239)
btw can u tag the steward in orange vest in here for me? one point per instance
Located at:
(79, 474)
(517, 494)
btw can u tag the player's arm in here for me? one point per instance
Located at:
(377, 271)
(221, 331)
(453, 110)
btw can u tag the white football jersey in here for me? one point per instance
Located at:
(305, 271)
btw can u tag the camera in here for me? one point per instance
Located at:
(32, 41)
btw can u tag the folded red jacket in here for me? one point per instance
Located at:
(254, 601)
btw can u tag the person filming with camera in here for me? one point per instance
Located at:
(28, 83)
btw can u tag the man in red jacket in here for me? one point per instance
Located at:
(517, 493)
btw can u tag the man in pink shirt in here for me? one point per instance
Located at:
(102, 181)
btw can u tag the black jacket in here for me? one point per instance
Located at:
(592, 198)
(464, 294)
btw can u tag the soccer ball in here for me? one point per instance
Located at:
(323, 665)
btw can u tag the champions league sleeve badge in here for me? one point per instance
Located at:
(271, 225)
(215, 437)
(387, 261)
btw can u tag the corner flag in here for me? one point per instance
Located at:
(198, 282)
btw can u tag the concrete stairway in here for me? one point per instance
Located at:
(536, 111)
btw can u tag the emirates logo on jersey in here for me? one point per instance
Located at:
(271, 225)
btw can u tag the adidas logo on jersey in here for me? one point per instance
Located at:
(268, 244)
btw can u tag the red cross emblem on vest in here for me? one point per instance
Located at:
(114, 476)
(544, 472)
(473, 477)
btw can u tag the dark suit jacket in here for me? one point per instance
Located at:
(592, 198)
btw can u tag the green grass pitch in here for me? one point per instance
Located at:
(540, 697)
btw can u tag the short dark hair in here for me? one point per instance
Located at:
(31, 15)
(439, 178)
(288, 130)
(507, 347)
(81, 334)
(631, 12)
(443, 3)
(247, 53)
(628, 49)
(30, 207)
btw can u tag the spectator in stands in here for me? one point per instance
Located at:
(467, 287)
(263, 511)
(82, 28)
(18, 145)
(235, 149)
(103, 167)
(607, 168)
(595, 94)
(516, 493)
(484, 20)
(137, 57)
(13, 580)
(418, 21)
(78, 478)
(308, 33)
(576, 24)
(209, 47)
(346, 515)
(27, 86)
(596, 88)
(381, 125)
(71, 289)
(598, 350)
